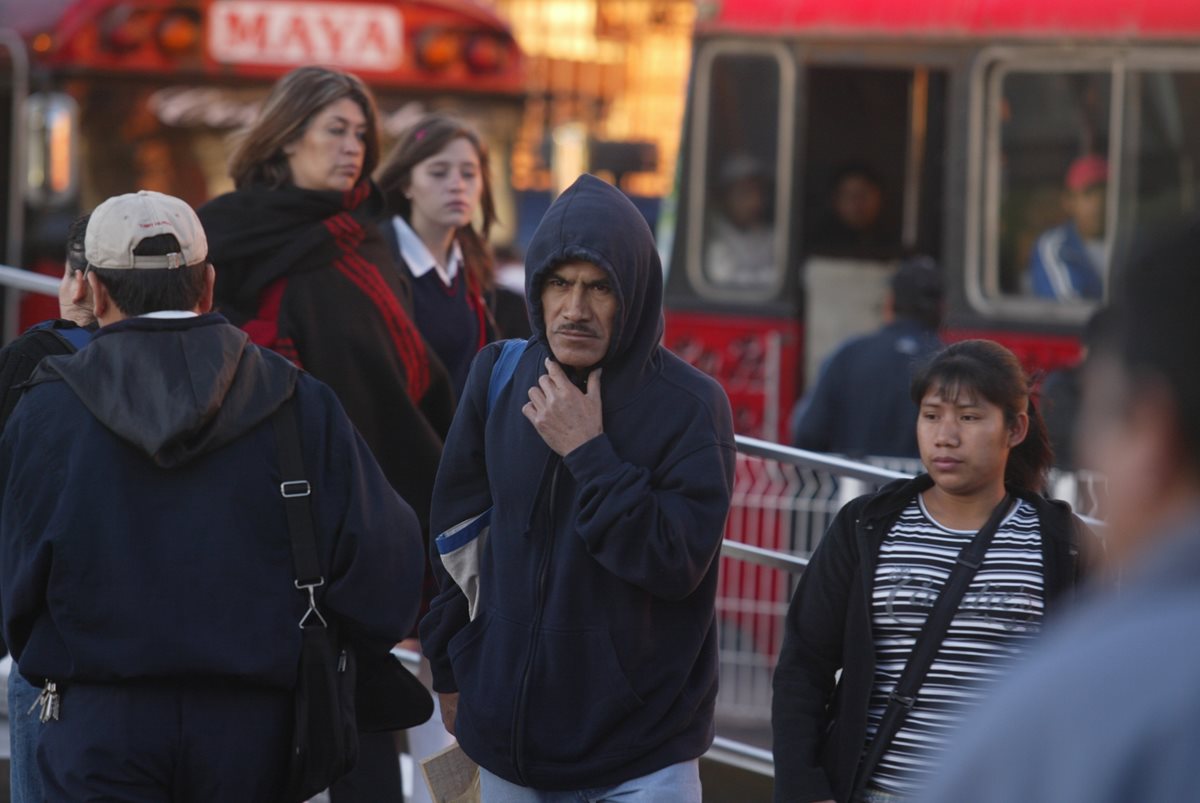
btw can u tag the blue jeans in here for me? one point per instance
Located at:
(678, 783)
(25, 782)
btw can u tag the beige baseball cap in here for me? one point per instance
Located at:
(119, 225)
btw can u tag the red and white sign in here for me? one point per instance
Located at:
(353, 36)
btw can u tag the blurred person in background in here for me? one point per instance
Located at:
(861, 403)
(741, 234)
(872, 584)
(854, 222)
(68, 333)
(1106, 710)
(1069, 260)
(301, 266)
(434, 182)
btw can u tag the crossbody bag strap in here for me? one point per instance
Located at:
(297, 502)
(904, 697)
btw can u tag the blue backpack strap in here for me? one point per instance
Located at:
(75, 337)
(503, 368)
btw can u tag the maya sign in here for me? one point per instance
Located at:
(354, 36)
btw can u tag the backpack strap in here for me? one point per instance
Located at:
(297, 500)
(73, 337)
(503, 369)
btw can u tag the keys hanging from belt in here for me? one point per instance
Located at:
(49, 700)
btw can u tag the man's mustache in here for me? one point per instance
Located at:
(576, 328)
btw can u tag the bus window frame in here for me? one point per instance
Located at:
(991, 67)
(698, 166)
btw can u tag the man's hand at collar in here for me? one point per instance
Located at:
(565, 417)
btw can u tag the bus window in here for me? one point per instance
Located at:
(1161, 147)
(741, 244)
(873, 158)
(1048, 238)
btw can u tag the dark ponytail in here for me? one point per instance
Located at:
(995, 373)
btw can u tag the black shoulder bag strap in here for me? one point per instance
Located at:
(296, 493)
(904, 696)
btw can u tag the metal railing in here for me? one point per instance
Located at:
(28, 281)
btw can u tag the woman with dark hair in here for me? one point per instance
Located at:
(434, 183)
(302, 268)
(873, 586)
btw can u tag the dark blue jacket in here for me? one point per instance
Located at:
(861, 404)
(593, 659)
(1060, 267)
(142, 532)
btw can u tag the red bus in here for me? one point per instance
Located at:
(967, 116)
(100, 97)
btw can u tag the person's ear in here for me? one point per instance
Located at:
(1018, 431)
(79, 288)
(210, 281)
(101, 302)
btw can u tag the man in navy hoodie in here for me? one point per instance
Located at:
(587, 663)
(146, 573)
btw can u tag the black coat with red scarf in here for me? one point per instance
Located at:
(307, 274)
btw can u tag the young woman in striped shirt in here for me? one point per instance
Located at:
(872, 582)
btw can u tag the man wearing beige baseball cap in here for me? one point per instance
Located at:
(146, 571)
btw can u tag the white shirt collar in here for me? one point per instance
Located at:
(171, 313)
(418, 258)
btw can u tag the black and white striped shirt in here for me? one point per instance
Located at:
(999, 615)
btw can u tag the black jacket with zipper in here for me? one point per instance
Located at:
(820, 727)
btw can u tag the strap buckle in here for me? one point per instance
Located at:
(311, 586)
(906, 703)
(291, 489)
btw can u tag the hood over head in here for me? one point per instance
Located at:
(593, 221)
(174, 388)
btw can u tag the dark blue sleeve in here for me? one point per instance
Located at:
(460, 492)
(818, 414)
(661, 531)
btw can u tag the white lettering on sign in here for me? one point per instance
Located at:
(355, 36)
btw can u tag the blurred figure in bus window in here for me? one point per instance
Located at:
(740, 252)
(1069, 261)
(1062, 392)
(1106, 711)
(853, 224)
(873, 581)
(301, 266)
(860, 404)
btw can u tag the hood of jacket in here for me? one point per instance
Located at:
(174, 388)
(595, 222)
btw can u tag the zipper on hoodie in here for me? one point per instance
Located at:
(518, 735)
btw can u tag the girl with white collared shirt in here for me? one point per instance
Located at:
(433, 182)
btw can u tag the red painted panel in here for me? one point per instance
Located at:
(972, 18)
(1040, 353)
(735, 351)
